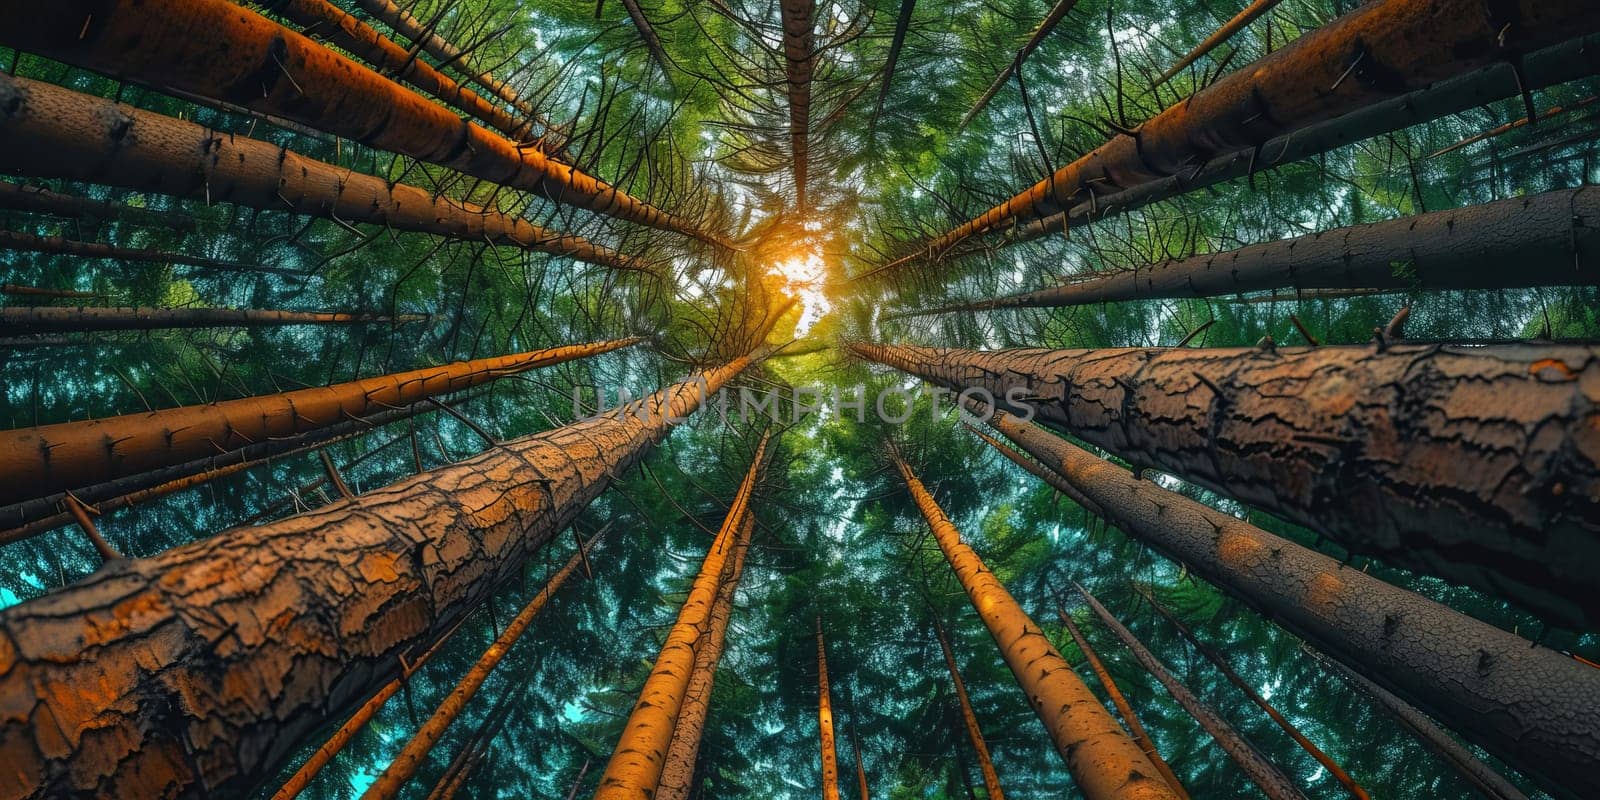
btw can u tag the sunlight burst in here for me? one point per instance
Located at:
(803, 276)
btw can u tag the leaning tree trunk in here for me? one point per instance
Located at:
(799, 22)
(1218, 36)
(326, 21)
(991, 779)
(52, 458)
(1532, 707)
(1380, 50)
(636, 762)
(830, 758)
(897, 41)
(677, 775)
(1262, 772)
(211, 663)
(17, 242)
(1105, 763)
(647, 34)
(55, 319)
(1124, 708)
(1477, 464)
(1570, 60)
(37, 515)
(215, 49)
(1260, 702)
(1553, 238)
(395, 776)
(452, 57)
(1041, 32)
(1489, 783)
(47, 131)
(39, 200)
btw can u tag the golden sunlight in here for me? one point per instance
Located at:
(803, 276)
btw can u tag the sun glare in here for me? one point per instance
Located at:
(803, 277)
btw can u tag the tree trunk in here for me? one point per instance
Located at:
(902, 24)
(647, 34)
(452, 58)
(1242, 685)
(862, 792)
(799, 21)
(1532, 707)
(1263, 773)
(1220, 35)
(40, 514)
(1477, 464)
(212, 662)
(1104, 762)
(326, 21)
(19, 290)
(17, 242)
(1129, 718)
(39, 200)
(637, 761)
(56, 319)
(677, 775)
(47, 131)
(1554, 238)
(215, 49)
(1498, 130)
(1489, 783)
(52, 458)
(1378, 51)
(1041, 32)
(395, 776)
(991, 779)
(830, 759)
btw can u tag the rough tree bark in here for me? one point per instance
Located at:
(1553, 238)
(452, 58)
(830, 758)
(47, 131)
(1124, 708)
(1479, 775)
(1260, 702)
(51, 458)
(1378, 51)
(1105, 763)
(216, 49)
(326, 21)
(1532, 707)
(991, 779)
(395, 776)
(208, 664)
(39, 200)
(636, 762)
(1041, 32)
(1477, 464)
(58, 319)
(677, 775)
(1263, 773)
(799, 22)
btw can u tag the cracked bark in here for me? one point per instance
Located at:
(1263, 773)
(215, 49)
(1477, 464)
(1532, 707)
(46, 459)
(196, 672)
(830, 756)
(1553, 238)
(636, 763)
(1105, 763)
(1378, 51)
(47, 131)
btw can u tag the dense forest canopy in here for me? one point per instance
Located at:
(792, 198)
